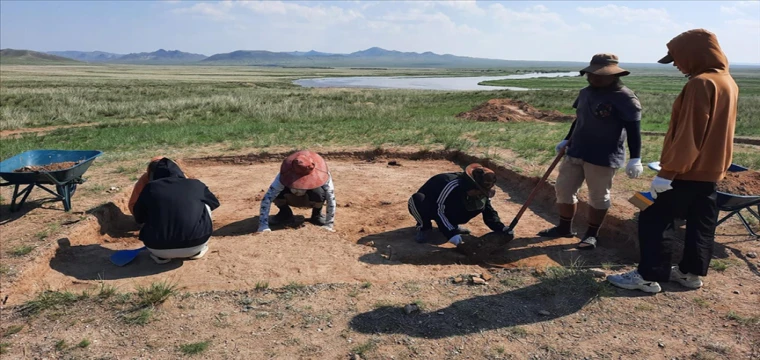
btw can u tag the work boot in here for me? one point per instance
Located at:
(421, 236)
(283, 217)
(317, 218)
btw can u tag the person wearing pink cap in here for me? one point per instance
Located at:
(304, 181)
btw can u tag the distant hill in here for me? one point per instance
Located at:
(87, 56)
(309, 53)
(372, 57)
(160, 56)
(28, 57)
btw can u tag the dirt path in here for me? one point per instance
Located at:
(40, 130)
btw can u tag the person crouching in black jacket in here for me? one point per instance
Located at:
(455, 198)
(175, 213)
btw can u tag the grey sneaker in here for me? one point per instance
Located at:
(632, 280)
(690, 281)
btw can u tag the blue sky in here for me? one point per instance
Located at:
(537, 30)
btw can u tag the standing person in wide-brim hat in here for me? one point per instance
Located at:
(451, 199)
(304, 181)
(607, 113)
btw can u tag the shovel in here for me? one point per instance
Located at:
(510, 233)
(124, 257)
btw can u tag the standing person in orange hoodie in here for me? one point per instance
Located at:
(697, 151)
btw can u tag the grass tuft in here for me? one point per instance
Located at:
(262, 285)
(139, 317)
(21, 250)
(83, 344)
(155, 294)
(47, 300)
(365, 347)
(106, 291)
(719, 265)
(61, 345)
(12, 330)
(194, 348)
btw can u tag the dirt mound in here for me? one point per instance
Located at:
(741, 183)
(508, 110)
(49, 167)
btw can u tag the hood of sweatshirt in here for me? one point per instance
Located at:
(698, 51)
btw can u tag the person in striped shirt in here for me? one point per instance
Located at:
(452, 199)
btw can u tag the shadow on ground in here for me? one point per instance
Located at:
(113, 222)
(251, 225)
(552, 298)
(92, 262)
(7, 217)
(492, 250)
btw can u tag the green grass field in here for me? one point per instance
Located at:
(657, 94)
(147, 108)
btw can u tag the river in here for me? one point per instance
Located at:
(424, 83)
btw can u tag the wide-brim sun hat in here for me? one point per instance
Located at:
(483, 177)
(304, 170)
(605, 64)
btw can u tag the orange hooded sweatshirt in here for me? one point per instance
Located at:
(699, 143)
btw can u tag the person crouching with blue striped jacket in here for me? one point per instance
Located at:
(451, 199)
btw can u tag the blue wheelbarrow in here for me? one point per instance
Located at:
(65, 180)
(731, 203)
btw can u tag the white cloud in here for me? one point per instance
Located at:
(750, 23)
(626, 14)
(217, 11)
(467, 6)
(228, 10)
(729, 10)
(537, 18)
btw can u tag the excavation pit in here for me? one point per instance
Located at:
(373, 242)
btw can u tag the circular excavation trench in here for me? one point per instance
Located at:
(373, 242)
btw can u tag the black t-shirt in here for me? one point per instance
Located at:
(599, 131)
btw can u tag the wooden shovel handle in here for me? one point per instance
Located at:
(535, 189)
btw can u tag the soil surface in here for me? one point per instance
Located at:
(374, 238)
(741, 183)
(508, 110)
(49, 167)
(301, 292)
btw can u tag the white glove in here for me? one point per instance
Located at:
(559, 146)
(659, 185)
(264, 228)
(634, 168)
(456, 239)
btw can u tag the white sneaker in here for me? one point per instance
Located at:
(159, 260)
(200, 254)
(688, 280)
(632, 280)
